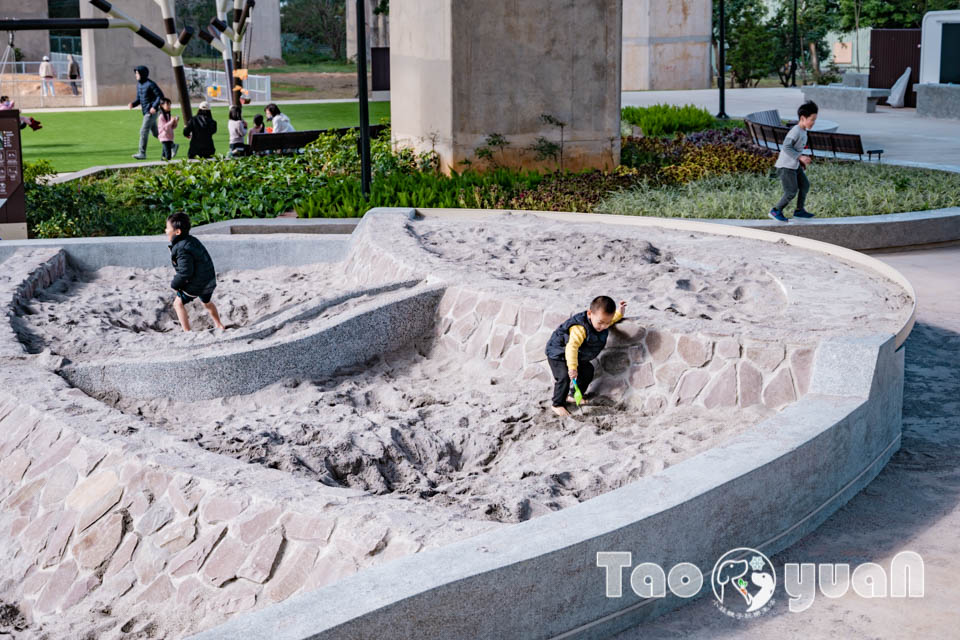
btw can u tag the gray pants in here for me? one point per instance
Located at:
(793, 180)
(149, 126)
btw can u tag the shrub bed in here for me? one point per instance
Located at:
(709, 174)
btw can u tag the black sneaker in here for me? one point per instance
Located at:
(802, 213)
(777, 215)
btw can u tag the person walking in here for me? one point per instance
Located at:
(73, 72)
(46, 77)
(148, 98)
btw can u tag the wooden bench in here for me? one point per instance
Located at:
(764, 135)
(293, 141)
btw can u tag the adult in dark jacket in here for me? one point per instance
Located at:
(148, 99)
(196, 276)
(200, 131)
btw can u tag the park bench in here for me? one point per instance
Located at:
(765, 135)
(293, 141)
(771, 117)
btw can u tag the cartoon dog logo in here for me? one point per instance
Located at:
(743, 580)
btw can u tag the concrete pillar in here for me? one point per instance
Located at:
(264, 33)
(378, 28)
(666, 44)
(33, 44)
(460, 71)
(109, 56)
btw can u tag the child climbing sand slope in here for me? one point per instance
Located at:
(575, 343)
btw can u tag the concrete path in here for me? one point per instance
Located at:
(914, 504)
(904, 137)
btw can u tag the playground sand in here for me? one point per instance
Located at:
(447, 432)
(673, 278)
(119, 312)
(438, 428)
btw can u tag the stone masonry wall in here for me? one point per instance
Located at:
(649, 368)
(89, 525)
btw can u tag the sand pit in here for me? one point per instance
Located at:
(447, 435)
(429, 425)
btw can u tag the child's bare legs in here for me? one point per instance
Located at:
(212, 309)
(181, 313)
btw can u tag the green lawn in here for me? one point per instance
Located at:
(76, 140)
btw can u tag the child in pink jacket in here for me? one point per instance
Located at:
(166, 123)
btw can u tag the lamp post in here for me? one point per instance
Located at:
(793, 49)
(721, 65)
(362, 90)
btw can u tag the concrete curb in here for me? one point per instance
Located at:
(864, 233)
(228, 252)
(366, 331)
(279, 225)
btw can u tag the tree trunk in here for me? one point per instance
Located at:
(814, 61)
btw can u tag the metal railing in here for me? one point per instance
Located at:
(32, 68)
(21, 81)
(212, 85)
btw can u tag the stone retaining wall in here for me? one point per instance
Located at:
(652, 369)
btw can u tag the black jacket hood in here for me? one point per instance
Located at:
(144, 72)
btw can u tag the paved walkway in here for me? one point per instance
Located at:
(914, 504)
(905, 137)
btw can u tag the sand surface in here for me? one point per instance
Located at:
(717, 282)
(446, 432)
(119, 312)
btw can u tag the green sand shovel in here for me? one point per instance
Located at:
(577, 396)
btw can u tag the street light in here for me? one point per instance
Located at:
(721, 65)
(362, 90)
(794, 54)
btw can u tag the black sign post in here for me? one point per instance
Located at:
(13, 213)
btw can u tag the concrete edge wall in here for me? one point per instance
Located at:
(228, 252)
(538, 579)
(367, 330)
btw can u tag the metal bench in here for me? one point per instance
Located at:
(293, 141)
(764, 135)
(771, 117)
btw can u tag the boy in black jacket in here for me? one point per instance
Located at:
(195, 277)
(575, 343)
